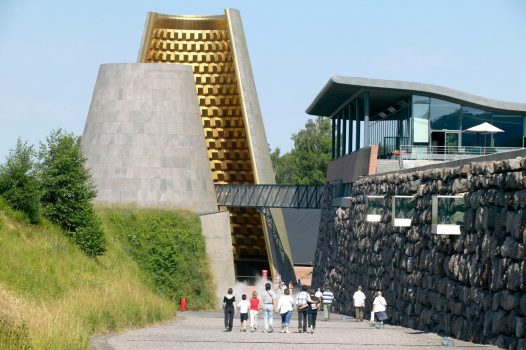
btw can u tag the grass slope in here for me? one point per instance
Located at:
(54, 297)
(169, 248)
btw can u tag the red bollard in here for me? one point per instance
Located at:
(183, 304)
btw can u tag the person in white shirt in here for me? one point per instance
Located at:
(285, 307)
(359, 303)
(379, 308)
(318, 294)
(243, 306)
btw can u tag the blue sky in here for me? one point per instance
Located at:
(50, 52)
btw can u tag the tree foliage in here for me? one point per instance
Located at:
(67, 192)
(306, 163)
(19, 182)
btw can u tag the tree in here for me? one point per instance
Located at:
(19, 183)
(306, 163)
(67, 192)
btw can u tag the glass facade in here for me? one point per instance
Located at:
(513, 134)
(472, 117)
(422, 124)
(444, 115)
(438, 122)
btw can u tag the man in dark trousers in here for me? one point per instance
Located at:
(302, 303)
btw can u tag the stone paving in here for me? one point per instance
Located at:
(204, 330)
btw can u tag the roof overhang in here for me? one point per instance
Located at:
(340, 90)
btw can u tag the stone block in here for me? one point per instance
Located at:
(515, 277)
(520, 327)
(497, 322)
(513, 181)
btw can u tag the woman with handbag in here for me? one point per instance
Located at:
(379, 307)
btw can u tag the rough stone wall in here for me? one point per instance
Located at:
(472, 286)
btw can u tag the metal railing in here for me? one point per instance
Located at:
(443, 153)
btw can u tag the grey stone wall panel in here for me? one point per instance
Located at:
(144, 141)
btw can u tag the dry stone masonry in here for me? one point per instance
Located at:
(471, 286)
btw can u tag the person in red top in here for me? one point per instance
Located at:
(255, 306)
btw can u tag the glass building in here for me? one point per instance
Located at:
(414, 118)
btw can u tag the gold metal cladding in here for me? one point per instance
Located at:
(204, 42)
(249, 137)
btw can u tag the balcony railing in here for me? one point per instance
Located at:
(443, 153)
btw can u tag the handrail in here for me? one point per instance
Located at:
(417, 152)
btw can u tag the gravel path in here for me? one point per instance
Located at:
(204, 330)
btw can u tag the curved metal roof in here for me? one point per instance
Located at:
(339, 89)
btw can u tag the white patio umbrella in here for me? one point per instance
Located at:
(485, 128)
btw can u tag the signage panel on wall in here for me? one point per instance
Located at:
(403, 209)
(375, 208)
(448, 214)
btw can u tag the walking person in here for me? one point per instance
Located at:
(268, 308)
(318, 294)
(359, 303)
(291, 286)
(313, 310)
(229, 305)
(302, 303)
(328, 298)
(243, 306)
(379, 307)
(285, 307)
(375, 294)
(255, 306)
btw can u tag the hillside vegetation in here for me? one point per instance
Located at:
(52, 296)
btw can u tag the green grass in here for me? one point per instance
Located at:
(52, 296)
(169, 248)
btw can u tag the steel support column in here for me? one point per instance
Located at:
(349, 114)
(338, 135)
(344, 133)
(333, 138)
(358, 121)
(366, 119)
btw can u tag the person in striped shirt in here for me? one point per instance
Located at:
(327, 299)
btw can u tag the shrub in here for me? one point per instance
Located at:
(19, 183)
(170, 248)
(67, 192)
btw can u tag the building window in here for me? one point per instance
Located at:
(513, 127)
(444, 115)
(420, 123)
(470, 118)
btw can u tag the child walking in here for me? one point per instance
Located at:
(255, 306)
(243, 306)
